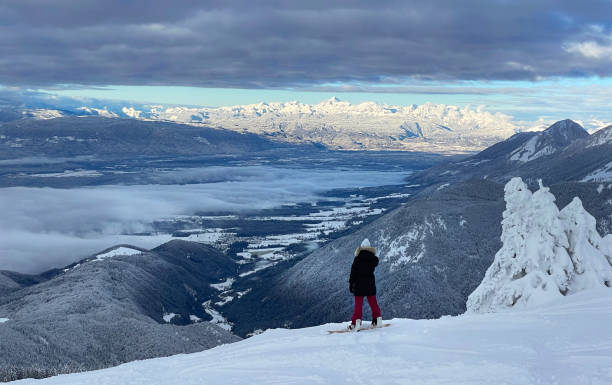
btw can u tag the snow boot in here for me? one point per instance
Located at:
(378, 323)
(353, 327)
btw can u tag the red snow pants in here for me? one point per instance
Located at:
(359, 307)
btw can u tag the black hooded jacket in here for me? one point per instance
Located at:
(362, 281)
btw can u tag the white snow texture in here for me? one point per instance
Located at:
(546, 253)
(566, 342)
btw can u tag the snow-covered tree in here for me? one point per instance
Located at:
(590, 253)
(545, 253)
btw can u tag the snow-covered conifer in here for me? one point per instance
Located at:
(545, 253)
(590, 253)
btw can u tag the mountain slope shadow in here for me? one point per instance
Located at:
(100, 313)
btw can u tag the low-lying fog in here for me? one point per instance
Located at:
(41, 228)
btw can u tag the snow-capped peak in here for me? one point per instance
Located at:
(332, 100)
(566, 129)
(549, 141)
(341, 125)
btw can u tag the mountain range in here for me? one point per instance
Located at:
(341, 125)
(122, 138)
(333, 123)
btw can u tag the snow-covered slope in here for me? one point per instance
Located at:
(603, 174)
(566, 342)
(601, 137)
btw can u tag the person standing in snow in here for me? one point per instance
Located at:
(362, 283)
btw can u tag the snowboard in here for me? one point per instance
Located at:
(359, 330)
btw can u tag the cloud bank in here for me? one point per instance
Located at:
(269, 44)
(42, 228)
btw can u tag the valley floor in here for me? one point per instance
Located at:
(564, 342)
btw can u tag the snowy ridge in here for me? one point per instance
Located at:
(512, 348)
(43, 114)
(546, 253)
(118, 250)
(603, 136)
(549, 141)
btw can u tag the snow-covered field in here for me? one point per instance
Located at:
(565, 342)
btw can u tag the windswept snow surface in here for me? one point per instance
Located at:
(118, 251)
(566, 342)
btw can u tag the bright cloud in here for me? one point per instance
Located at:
(591, 50)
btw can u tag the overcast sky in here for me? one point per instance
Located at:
(503, 53)
(532, 59)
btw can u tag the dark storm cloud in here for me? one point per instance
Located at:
(286, 44)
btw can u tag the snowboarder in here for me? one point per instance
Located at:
(362, 283)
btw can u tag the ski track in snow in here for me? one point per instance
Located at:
(566, 342)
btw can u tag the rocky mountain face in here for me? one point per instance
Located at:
(111, 308)
(111, 137)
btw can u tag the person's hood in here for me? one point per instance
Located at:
(365, 248)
